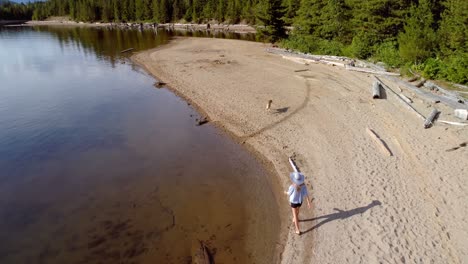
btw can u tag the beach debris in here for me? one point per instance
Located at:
(268, 106)
(461, 113)
(382, 145)
(200, 253)
(430, 119)
(420, 83)
(462, 145)
(407, 105)
(376, 90)
(414, 78)
(452, 123)
(159, 84)
(202, 121)
(301, 70)
(406, 99)
(127, 50)
(359, 69)
(293, 165)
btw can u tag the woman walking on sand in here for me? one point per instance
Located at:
(297, 192)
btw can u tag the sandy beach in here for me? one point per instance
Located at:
(368, 207)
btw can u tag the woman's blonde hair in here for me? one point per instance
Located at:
(298, 187)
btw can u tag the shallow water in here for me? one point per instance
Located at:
(99, 166)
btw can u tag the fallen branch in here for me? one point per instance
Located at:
(303, 70)
(383, 147)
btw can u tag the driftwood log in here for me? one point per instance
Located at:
(376, 90)
(383, 147)
(430, 119)
(127, 50)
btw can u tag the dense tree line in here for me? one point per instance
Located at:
(162, 11)
(14, 11)
(428, 35)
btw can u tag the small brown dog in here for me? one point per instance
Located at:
(269, 104)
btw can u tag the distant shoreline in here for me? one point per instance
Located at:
(234, 28)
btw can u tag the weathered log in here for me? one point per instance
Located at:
(406, 99)
(376, 90)
(383, 147)
(127, 50)
(430, 119)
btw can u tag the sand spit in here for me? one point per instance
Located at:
(410, 207)
(233, 28)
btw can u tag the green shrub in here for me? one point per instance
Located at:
(362, 45)
(303, 43)
(310, 44)
(457, 68)
(434, 68)
(387, 52)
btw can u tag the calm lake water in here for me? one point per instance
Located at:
(99, 166)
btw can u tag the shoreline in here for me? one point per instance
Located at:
(231, 28)
(319, 110)
(267, 164)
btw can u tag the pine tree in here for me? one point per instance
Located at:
(308, 17)
(453, 30)
(270, 13)
(417, 42)
(139, 10)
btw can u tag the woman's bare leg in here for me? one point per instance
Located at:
(296, 221)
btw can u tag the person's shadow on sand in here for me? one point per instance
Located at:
(339, 215)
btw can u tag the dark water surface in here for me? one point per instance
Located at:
(99, 166)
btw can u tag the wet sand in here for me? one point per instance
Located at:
(368, 207)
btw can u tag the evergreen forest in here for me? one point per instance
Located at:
(427, 36)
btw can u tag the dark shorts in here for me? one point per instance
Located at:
(293, 205)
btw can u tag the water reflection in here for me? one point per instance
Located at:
(98, 166)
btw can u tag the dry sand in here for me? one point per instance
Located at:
(368, 208)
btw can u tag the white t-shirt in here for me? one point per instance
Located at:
(296, 196)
